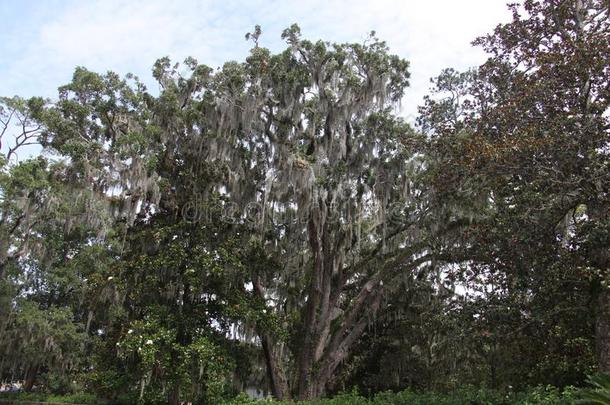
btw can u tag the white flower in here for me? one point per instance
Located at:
(264, 311)
(110, 278)
(149, 342)
(130, 331)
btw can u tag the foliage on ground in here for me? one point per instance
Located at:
(464, 396)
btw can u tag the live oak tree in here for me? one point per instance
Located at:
(54, 254)
(42, 317)
(312, 159)
(51, 220)
(299, 148)
(21, 184)
(108, 134)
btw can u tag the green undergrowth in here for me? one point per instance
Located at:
(465, 396)
(79, 398)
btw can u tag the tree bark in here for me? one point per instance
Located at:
(316, 227)
(603, 331)
(599, 213)
(279, 385)
(322, 351)
(277, 377)
(174, 396)
(30, 378)
(336, 348)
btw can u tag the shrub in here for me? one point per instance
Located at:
(463, 396)
(600, 393)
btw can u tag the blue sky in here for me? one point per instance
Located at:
(42, 41)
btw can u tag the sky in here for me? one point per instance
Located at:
(41, 42)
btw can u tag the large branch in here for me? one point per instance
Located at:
(364, 302)
(310, 327)
(329, 296)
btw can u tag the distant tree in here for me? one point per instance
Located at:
(46, 230)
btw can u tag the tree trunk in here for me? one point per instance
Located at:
(334, 349)
(174, 396)
(279, 385)
(603, 331)
(339, 347)
(321, 351)
(30, 378)
(317, 240)
(599, 210)
(275, 371)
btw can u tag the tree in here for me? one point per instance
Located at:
(20, 188)
(50, 220)
(527, 133)
(181, 289)
(42, 340)
(312, 153)
(44, 315)
(281, 203)
(302, 147)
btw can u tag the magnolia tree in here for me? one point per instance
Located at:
(526, 135)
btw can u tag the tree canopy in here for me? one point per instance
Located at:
(274, 223)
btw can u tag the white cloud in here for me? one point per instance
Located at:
(130, 36)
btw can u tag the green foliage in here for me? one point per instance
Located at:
(46, 339)
(378, 258)
(600, 391)
(78, 398)
(464, 396)
(199, 368)
(512, 145)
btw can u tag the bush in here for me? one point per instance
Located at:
(79, 398)
(82, 398)
(464, 396)
(600, 393)
(60, 383)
